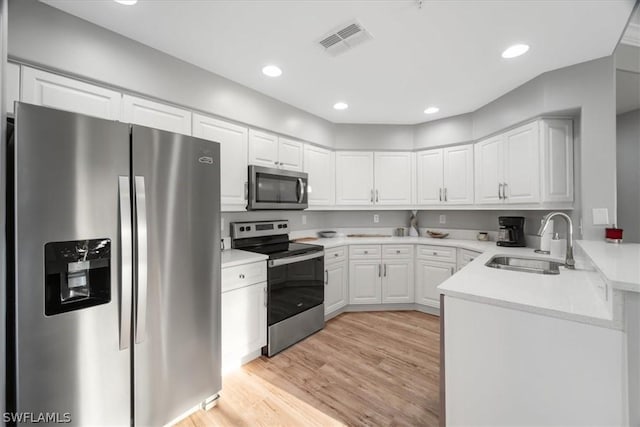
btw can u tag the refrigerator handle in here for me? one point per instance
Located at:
(141, 283)
(126, 262)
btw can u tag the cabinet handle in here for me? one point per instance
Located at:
(500, 191)
(397, 251)
(336, 254)
(241, 276)
(376, 196)
(266, 296)
(372, 195)
(246, 191)
(452, 271)
(326, 277)
(440, 194)
(366, 252)
(435, 253)
(385, 270)
(445, 194)
(504, 191)
(379, 270)
(276, 163)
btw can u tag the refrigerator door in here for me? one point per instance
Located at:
(177, 304)
(67, 341)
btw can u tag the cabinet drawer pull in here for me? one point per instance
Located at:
(241, 276)
(366, 252)
(336, 254)
(398, 251)
(435, 253)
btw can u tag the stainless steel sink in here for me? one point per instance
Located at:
(526, 265)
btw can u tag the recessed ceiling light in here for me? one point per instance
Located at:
(127, 2)
(271, 71)
(431, 110)
(340, 105)
(515, 50)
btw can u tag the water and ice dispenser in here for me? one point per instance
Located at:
(78, 275)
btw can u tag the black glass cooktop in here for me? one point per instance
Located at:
(284, 249)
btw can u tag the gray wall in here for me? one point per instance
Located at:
(373, 137)
(447, 131)
(40, 34)
(628, 154)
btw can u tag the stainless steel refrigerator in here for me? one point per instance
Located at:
(115, 268)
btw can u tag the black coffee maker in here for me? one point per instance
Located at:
(511, 232)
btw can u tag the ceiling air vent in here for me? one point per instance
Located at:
(344, 38)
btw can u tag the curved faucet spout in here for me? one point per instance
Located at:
(569, 262)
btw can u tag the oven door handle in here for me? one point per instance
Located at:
(290, 260)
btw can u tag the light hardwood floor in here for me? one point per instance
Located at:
(363, 369)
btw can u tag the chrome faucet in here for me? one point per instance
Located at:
(569, 262)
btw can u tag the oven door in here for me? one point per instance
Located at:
(271, 188)
(295, 284)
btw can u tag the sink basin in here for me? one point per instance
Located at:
(526, 265)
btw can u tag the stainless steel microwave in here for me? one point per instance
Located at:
(271, 188)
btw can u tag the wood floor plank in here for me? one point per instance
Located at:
(362, 369)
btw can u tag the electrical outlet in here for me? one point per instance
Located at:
(376, 218)
(443, 219)
(304, 219)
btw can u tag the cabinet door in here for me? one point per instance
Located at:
(458, 174)
(397, 281)
(522, 165)
(290, 154)
(335, 290)
(557, 160)
(488, 159)
(12, 85)
(244, 323)
(63, 93)
(429, 275)
(430, 177)
(233, 156)
(319, 164)
(354, 178)
(153, 114)
(393, 178)
(365, 282)
(263, 149)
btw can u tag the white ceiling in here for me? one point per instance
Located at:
(446, 53)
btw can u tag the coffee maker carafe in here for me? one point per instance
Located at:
(511, 232)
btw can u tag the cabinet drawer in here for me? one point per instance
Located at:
(465, 256)
(437, 253)
(243, 275)
(335, 254)
(397, 251)
(364, 251)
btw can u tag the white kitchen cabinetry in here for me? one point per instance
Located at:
(381, 274)
(354, 178)
(393, 183)
(233, 157)
(269, 150)
(336, 279)
(63, 93)
(365, 179)
(465, 256)
(12, 85)
(445, 176)
(319, 164)
(244, 313)
(153, 114)
(557, 160)
(434, 265)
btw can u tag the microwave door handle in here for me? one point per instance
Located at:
(141, 224)
(126, 257)
(300, 190)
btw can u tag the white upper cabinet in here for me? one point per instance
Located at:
(63, 93)
(458, 174)
(13, 85)
(393, 173)
(233, 156)
(354, 178)
(269, 150)
(430, 177)
(488, 155)
(445, 176)
(153, 114)
(319, 164)
(522, 165)
(557, 160)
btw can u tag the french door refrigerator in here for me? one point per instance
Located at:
(115, 270)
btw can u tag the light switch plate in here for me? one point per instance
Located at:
(600, 216)
(376, 218)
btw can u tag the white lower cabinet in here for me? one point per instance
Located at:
(335, 280)
(244, 315)
(429, 275)
(381, 274)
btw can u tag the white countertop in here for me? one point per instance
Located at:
(473, 245)
(618, 263)
(571, 295)
(233, 257)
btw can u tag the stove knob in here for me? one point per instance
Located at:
(248, 228)
(241, 228)
(284, 226)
